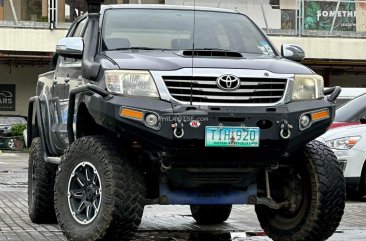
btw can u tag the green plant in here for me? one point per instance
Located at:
(42, 19)
(17, 129)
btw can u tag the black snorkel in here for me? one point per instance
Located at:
(90, 69)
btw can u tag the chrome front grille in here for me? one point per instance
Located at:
(205, 90)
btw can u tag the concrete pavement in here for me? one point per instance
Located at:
(159, 222)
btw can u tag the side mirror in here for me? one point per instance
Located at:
(71, 47)
(292, 52)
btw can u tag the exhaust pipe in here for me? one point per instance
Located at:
(90, 69)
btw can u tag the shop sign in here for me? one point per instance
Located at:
(7, 97)
(319, 15)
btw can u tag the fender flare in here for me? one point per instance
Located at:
(72, 98)
(34, 101)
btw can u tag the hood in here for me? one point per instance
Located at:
(355, 130)
(169, 60)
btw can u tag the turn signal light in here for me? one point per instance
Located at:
(133, 114)
(352, 141)
(320, 115)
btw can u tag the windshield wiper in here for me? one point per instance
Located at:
(137, 48)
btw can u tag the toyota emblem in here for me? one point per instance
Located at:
(228, 82)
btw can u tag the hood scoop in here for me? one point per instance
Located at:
(211, 53)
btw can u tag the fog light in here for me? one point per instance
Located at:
(305, 121)
(151, 120)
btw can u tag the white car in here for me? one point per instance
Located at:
(349, 145)
(348, 94)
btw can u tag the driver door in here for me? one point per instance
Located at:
(67, 77)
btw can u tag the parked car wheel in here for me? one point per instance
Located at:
(98, 191)
(356, 190)
(211, 214)
(317, 188)
(362, 188)
(11, 144)
(41, 179)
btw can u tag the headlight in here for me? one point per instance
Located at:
(344, 143)
(131, 83)
(308, 87)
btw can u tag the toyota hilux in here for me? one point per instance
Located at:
(156, 104)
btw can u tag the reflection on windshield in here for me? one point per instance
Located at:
(173, 30)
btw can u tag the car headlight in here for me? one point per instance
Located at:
(308, 87)
(131, 83)
(344, 143)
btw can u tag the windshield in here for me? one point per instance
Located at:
(173, 30)
(350, 110)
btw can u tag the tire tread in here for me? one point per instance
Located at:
(124, 208)
(328, 199)
(41, 210)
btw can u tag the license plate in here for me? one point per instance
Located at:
(232, 136)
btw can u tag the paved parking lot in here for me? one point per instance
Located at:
(159, 222)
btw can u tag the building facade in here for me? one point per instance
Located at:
(332, 32)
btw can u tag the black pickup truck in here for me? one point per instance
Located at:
(155, 104)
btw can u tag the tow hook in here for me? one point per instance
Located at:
(285, 130)
(178, 129)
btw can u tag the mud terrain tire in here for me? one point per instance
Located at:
(41, 181)
(121, 190)
(322, 208)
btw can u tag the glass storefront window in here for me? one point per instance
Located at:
(24, 12)
(69, 10)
